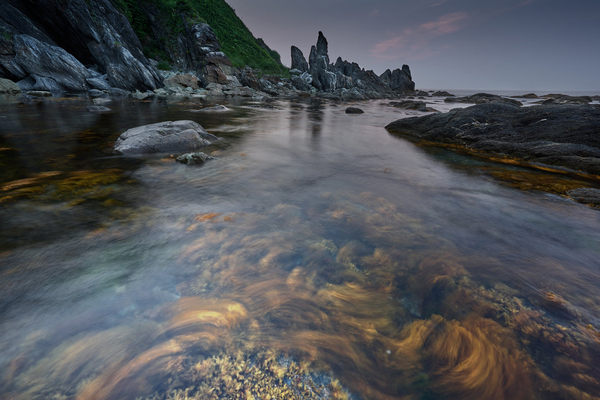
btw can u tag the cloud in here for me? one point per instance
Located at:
(438, 3)
(414, 42)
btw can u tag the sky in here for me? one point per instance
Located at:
(448, 44)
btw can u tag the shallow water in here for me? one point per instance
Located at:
(315, 251)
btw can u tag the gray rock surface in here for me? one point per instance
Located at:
(482, 98)
(197, 158)
(559, 135)
(89, 32)
(298, 60)
(163, 137)
(8, 86)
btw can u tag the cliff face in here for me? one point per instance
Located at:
(75, 45)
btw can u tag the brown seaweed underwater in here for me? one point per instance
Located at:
(350, 295)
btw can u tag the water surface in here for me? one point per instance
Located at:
(315, 257)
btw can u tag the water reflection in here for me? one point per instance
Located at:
(342, 264)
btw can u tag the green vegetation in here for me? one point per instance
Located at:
(236, 40)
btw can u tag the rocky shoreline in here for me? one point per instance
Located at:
(562, 138)
(98, 53)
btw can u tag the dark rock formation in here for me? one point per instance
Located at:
(57, 45)
(482, 98)
(354, 110)
(566, 99)
(163, 137)
(399, 79)
(410, 105)
(528, 96)
(298, 60)
(442, 93)
(345, 78)
(560, 135)
(586, 195)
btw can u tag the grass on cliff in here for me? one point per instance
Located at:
(237, 42)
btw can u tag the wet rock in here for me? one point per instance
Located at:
(566, 99)
(98, 109)
(100, 83)
(96, 93)
(101, 100)
(442, 93)
(298, 61)
(354, 110)
(529, 96)
(586, 195)
(482, 98)
(8, 86)
(559, 135)
(216, 108)
(39, 93)
(182, 80)
(117, 92)
(410, 105)
(162, 137)
(197, 158)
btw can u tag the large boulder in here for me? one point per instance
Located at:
(298, 60)
(164, 137)
(560, 135)
(399, 79)
(8, 86)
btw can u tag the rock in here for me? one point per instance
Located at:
(586, 195)
(344, 80)
(528, 96)
(39, 93)
(91, 32)
(566, 99)
(196, 158)
(8, 86)
(142, 95)
(42, 66)
(98, 109)
(442, 93)
(163, 137)
(101, 100)
(96, 93)
(100, 83)
(354, 110)
(298, 61)
(410, 105)
(482, 98)
(565, 136)
(116, 92)
(183, 80)
(216, 108)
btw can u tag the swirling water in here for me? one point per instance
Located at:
(315, 257)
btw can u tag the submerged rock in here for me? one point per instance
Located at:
(98, 109)
(354, 110)
(197, 158)
(163, 137)
(216, 108)
(560, 135)
(410, 105)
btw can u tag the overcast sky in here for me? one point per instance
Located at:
(450, 44)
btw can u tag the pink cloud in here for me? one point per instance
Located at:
(415, 41)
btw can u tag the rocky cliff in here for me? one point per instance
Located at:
(74, 45)
(344, 76)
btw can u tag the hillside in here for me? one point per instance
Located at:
(158, 23)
